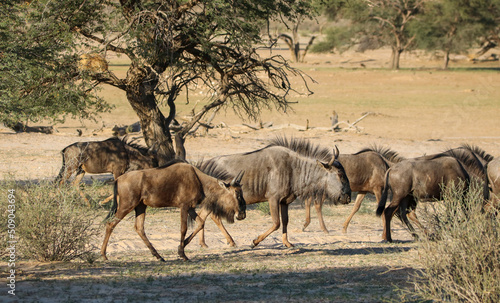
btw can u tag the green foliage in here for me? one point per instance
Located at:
(460, 258)
(264, 208)
(451, 26)
(379, 22)
(54, 224)
(38, 74)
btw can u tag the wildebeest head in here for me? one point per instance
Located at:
(337, 178)
(233, 192)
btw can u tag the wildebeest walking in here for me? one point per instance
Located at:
(366, 173)
(174, 185)
(418, 180)
(279, 175)
(113, 155)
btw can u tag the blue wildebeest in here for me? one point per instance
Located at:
(113, 155)
(418, 180)
(367, 169)
(366, 173)
(177, 184)
(279, 175)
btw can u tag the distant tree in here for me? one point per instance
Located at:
(487, 14)
(379, 22)
(448, 26)
(293, 43)
(172, 45)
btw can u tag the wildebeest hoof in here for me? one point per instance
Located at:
(161, 259)
(386, 241)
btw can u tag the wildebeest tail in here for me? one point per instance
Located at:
(385, 193)
(486, 184)
(114, 207)
(63, 168)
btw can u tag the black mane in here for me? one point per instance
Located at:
(478, 151)
(213, 170)
(385, 152)
(303, 147)
(134, 146)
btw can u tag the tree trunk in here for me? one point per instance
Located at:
(141, 83)
(396, 55)
(446, 59)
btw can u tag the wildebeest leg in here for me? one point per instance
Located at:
(307, 203)
(106, 200)
(284, 222)
(355, 208)
(110, 225)
(412, 215)
(319, 211)
(275, 215)
(219, 224)
(402, 211)
(140, 215)
(184, 217)
(79, 176)
(115, 175)
(200, 220)
(387, 217)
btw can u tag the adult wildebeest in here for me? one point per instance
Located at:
(366, 173)
(367, 169)
(418, 179)
(113, 155)
(279, 175)
(174, 185)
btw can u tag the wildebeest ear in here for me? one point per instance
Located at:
(324, 165)
(223, 184)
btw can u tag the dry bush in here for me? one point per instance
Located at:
(54, 223)
(460, 257)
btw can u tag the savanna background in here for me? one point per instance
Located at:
(418, 108)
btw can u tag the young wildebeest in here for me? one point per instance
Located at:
(174, 185)
(418, 179)
(113, 155)
(279, 175)
(366, 173)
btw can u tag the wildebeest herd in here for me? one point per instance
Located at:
(281, 172)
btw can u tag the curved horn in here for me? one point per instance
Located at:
(335, 155)
(236, 181)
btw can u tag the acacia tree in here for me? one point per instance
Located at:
(448, 26)
(382, 22)
(172, 45)
(37, 72)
